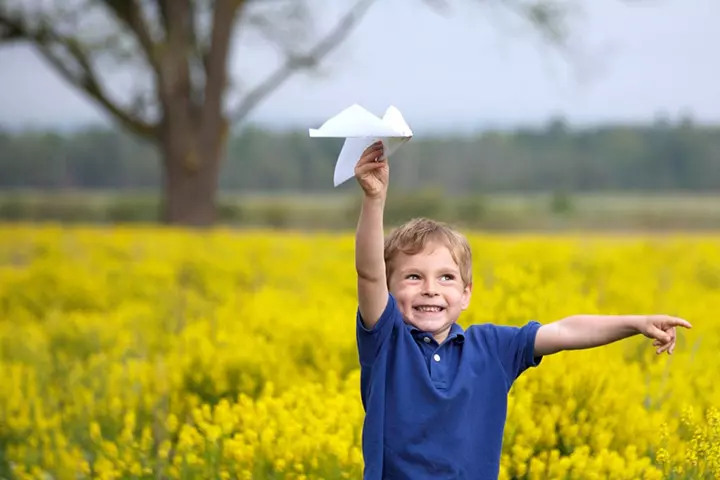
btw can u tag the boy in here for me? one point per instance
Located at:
(435, 396)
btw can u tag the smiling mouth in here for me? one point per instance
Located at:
(428, 308)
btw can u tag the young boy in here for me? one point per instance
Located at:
(435, 396)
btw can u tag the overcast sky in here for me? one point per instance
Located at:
(470, 70)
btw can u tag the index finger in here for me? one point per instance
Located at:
(678, 322)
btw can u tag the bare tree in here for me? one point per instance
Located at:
(177, 51)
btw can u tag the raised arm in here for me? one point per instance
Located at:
(372, 173)
(588, 331)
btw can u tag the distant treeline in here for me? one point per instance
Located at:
(657, 156)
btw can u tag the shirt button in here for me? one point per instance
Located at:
(436, 357)
(426, 339)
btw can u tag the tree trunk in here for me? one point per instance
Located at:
(191, 168)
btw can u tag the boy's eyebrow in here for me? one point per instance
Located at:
(444, 268)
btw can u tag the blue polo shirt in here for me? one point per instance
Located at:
(437, 411)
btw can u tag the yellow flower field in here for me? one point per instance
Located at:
(148, 353)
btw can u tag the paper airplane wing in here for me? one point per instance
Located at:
(361, 128)
(357, 122)
(394, 117)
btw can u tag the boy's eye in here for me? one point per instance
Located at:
(447, 276)
(412, 276)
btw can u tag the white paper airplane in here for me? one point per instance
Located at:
(360, 129)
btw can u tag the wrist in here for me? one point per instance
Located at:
(374, 200)
(637, 323)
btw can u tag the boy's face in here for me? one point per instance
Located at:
(429, 289)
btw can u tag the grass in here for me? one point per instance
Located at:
(500, 211)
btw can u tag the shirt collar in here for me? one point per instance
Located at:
(456, 334)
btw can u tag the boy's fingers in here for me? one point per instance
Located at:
(679, 322)
(669, 321)
(368, 167)
(371, 152)
(370, 159)
(664, 348)
(660, 335)
(375, 158)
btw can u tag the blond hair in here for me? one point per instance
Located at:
(413, 236)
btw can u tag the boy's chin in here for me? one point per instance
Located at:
(431, 325)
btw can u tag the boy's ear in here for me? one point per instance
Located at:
(467, 293)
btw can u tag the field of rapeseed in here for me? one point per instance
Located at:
(141, 353)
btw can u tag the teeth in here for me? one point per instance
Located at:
(428, 308)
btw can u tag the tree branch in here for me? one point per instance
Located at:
(164, 15)
(44, 38)
(294, 63)
(216, 58)
(8, 31)
(550, 18)
(129, 13)
(283, 26)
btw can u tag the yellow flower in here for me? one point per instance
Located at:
(194, 355)
(95, 433)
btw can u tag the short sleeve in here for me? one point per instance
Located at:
(371, 341)
(516, 348)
